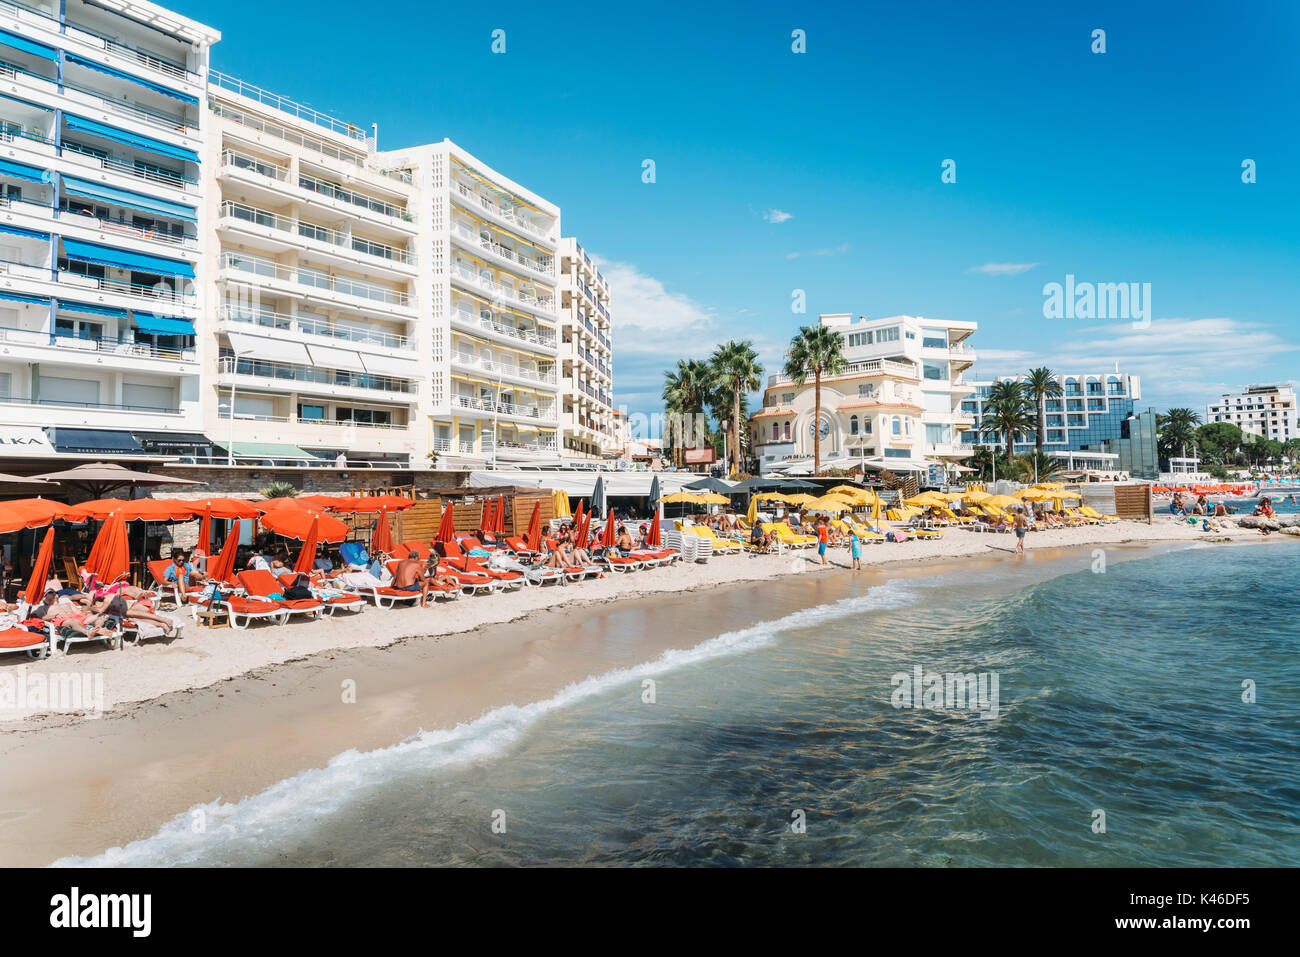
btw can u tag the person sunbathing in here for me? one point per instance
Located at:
(120, 609)
(433, 577)
(409, 576)
(623, 542)
(67, 617)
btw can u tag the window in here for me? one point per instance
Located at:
(935, 370)
(776, 431)
(853, 425)
(897, 453)
(311, 413)
(148, 396)
(897, 426)
(859, 339)
(787, 398)
(6, 381)
(787, 431)
(937, 434)
(935, 342)
(69, 391)
(866, 425)
(867, 390)
(889, 334)
(364, 416)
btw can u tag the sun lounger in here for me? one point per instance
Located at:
(70, 638)
(262, 584)
(333, 604)
(617, 563)
(461, 561)
(786, 535)
(34, 645)
(719, 546)
(170, 590)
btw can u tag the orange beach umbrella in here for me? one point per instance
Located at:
(34, 513)
(222, 568)
(41, 570)
(205, 531)
(140, 509)
(607, 534)
(299, 523)
(499, 527)
(307, 556)
(108, 555)
(533, 537)
(485, 519)
(447, 526)
(381, 540)
(652, 537)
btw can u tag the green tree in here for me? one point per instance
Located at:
(1008, 412)
(280, 490)
(1219, 442)
(685, 392)
(816, 351)
(734, 366)
(1041, 383)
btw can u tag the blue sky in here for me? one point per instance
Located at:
(820, 171)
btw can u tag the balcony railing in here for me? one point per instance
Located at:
(271, 270)
(124, 287)
(501, 212)
(334, 191)
(279, 132)
(538, 336)
(224, 414)
(501, 289)
(137, 111)
(503, 368)
(124, 228)
(266, 369)
(286, 105)
(323, 234)
(145, 171)
(94, 406)
(541, 266)
(542, 445)
(115, 347)
(253, 164)
(546, 412)
(314, 327)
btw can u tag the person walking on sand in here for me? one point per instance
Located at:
(823, 538)
(855, 550)
(1022, 526)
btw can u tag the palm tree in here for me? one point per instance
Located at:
(279, 490)
(815, 351)
(734, 366)
(1039, 384)
(685, 392)
(1042, 465)
(1008, 411)
(1176, 430)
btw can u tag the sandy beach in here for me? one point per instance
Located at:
(220, 715)
(202, 657)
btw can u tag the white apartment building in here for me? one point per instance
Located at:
(487, 288)
(1268, 411)
(586, 356)
(102, 146)
(317, 342)
(897, 406)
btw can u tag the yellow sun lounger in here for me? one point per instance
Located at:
(784, 534)
(721, 546)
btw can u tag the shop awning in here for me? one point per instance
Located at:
(19, 440)
(390, 366)
(28, 46)
(130, 139)
(33, 174)
(89, 310)
(124, 197)
(330, 357)
(123, 259)
(164, 325)
(148, 84)
(94, 441)
(267, 450)
(264, 347)
(19, 231)
(187, 440)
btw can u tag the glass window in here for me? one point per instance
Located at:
(853, 425)
(311, 413)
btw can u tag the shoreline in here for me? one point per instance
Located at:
(203, 658)
(79, 788)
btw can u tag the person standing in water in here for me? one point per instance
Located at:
(823, 538)
(855, 550)
(1022, 526)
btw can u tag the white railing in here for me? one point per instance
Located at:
(334, 191)
(315, 327)
(115, 347)
(546, 412)
(505, 214)
(538, 336)
(123, 287)
(338, 378)
(286, 105)
(136, 111)
(224, 413)
(257, 266)
(127, 229)
(503, 368)
(143, 171)
(501, 289)
(279, 132)
(253, 164)
(311, 231)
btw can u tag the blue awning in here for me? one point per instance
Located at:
(124, 259)
(156, 87)
(164, 325)
(130, 139)
(33, 174)
(30, 46)
(15, 297)
(90, 310)
(19, 231)
(127, 198)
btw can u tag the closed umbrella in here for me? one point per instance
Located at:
(533, 537)
(581, 541)
(446, 527)
(41, 570)
(222, 568)
(607, 535)
(577, 518)
(500, 527)
(110, 560)
(709, 484)
(652, 537)
(751, 516)
(655, 494)
(307, 556)
(382, 538)
(485, 517)
(205, 532)
(598, 496)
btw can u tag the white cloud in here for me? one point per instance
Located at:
(1002, 269)
(777, 216)
(825, 251)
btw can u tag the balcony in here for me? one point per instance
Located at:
(108, 228)
(543, 306)
(545, 338)
(863, 367)
(224, 415)
(114, 409)
(314, 327)
(78, 350)
(137, 169)
(158, 292)
(545, 412)
(542, 267)
(236, 213)
(481, 203)
(495, 368)
(307, 280)
(311, 378)
(287, 106)
(539, 447)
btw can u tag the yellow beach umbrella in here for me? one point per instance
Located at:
(1032, 495)
(975, 496)
(713, 498)
(681, 497)
(751, 516)
(1001, 501)
(562, 509)
(802, 498)
(927, 500)
(828, 503)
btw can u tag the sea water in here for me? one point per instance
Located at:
(1148, 714)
